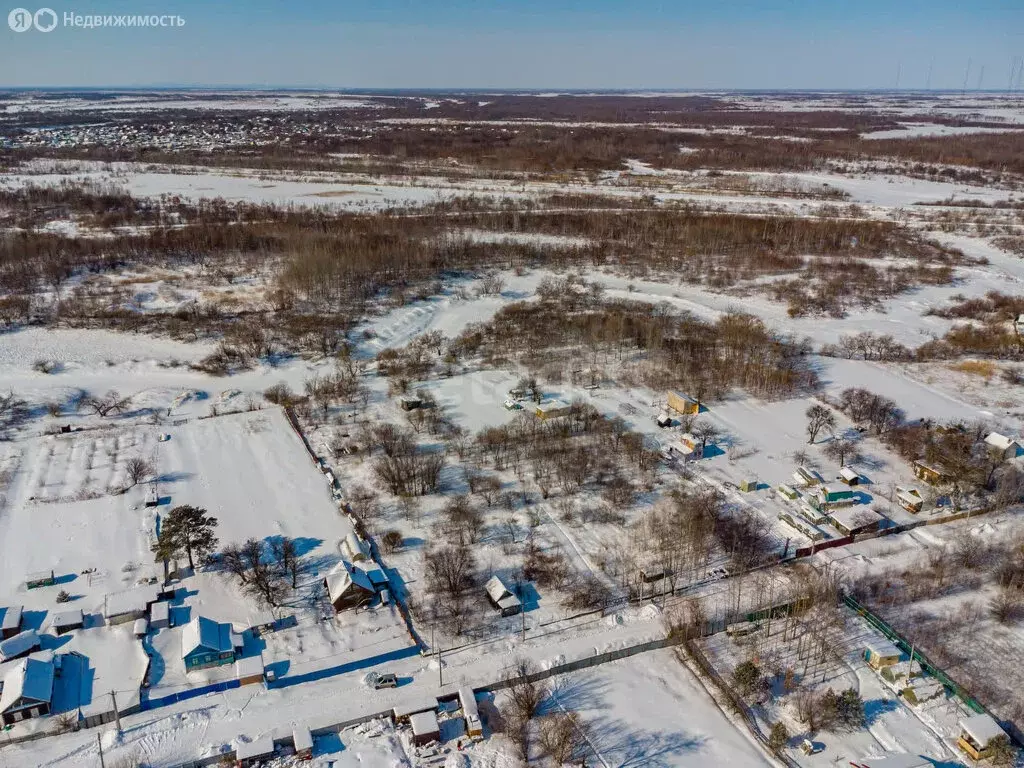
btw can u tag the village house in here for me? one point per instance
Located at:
(11, 623)
(681, 403)
(881, 653)
(502, 598)
(977, 734)
(206, 643)
(1005, 446)
(66, 621)
(27, 691)
(933, 474)
(851, 521)
(348, 587)
(551, 409)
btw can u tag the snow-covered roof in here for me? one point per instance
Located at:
(552, 405)
(12, 618)
(261, 619)
(853, 517)
(424, 723)
(141, 627)
(343, 577)
(893, 761)
(356, 548)
(417, 705)
(23, 642)
(376, 576)
(247, 750)
(470, 710)
(1002, 442)
(302, 738)
(30, 679)
(159, 611)
(68, 618)
(496, 589)
(879, 646)
(202, 632)
(982, 728)
(848, 474)
(134, 600)
(249, 666)
(39, 576)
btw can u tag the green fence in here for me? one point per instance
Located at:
(914, 653)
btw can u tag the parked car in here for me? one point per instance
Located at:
(383, 680)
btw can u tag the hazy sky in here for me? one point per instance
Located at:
(526, 44)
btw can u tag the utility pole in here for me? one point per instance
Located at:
(117, 715)
(522, 612)
(99, 743)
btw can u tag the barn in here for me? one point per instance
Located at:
(502, 598)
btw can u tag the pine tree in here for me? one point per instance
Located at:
(186, 529)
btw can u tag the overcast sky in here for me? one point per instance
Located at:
(527, 44)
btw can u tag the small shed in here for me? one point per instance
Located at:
(66, 621)
(22, 644)
(470, 713)
(502, 598)
(11, 623)
(748, 484)
(425, 728)
(40, 579)
(302, 740)
(159, 615)
(848, 477)
(880, 653)
(1006, 447)
(690, 447)
(664, 420)
(140, 628)
(411, 403)
(828, 494)
(910, 499)
(806, 476)
(977, 734)
(253, 752)
(787, 492)
(249, 670)
(933, 474)
(901, 760)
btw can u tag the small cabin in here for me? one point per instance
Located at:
(664, 420)
(748, 484)
(67, 621)
(502, 598)
(977, 734)
(881, 653)
(552, 409)
(848, 477)
(910, 499)
(411, 403)
(806, 476)
(256, 752)
(787, 492)
(1005, 447)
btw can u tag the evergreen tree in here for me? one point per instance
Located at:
(189, 530)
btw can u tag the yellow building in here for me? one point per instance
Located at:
(552, 409)
(977, 734)
(681, 403)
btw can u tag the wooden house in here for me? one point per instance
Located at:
(910, 499)
(853, 520)
(933, 474)
(206, 643)
(67, 621)
(348, 587)
(502, 598)
(27, 691)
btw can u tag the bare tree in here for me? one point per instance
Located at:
(840, 449)
(108, 404)
(137, 469)
(706, 432)
(818, 418)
